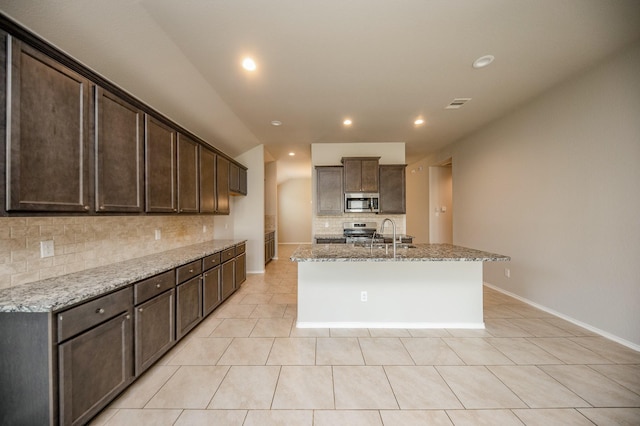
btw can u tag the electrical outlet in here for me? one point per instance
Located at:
(158, 234)
(363, 296)
(46, 248)
(507, 272)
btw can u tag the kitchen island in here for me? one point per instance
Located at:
(423, 286)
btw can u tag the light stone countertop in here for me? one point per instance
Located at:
(419, 253)
(54, 294)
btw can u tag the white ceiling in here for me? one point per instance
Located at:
(380, 62)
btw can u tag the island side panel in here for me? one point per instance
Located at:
(26, 369)
(445, 294)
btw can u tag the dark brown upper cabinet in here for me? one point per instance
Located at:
(237, 179)
(222, 185)
(207, 180)
(119, 146)
(360, 174)
(160, 167)
(47, 164)
(330, 195)
(393, 189)
(243, 181)
(234, 178)
(188, 175)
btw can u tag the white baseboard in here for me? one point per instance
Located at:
(413, 325)
(602, 333)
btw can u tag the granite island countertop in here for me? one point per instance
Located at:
(417, 253)
(57, 293)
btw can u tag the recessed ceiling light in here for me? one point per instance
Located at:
(347, 122)
(249, 64)
(418, 122)
(483, 61)
(291, 154)
(276, 123)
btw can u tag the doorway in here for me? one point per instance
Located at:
(441, 203)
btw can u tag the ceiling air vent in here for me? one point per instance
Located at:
(457, 103)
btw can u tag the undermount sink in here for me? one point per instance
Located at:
(385, 246)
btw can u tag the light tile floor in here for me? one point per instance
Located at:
(247, 364)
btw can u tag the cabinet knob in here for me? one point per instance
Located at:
(101, 207)
(128, 316)
(190, 270)
(158, 285)
(100, 311)
(140, 309)
(86, 207)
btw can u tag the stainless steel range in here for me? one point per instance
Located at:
(360, 232)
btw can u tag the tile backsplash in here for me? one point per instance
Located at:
(86, 242)
(323, 225)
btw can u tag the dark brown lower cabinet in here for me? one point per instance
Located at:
(211, 294)
(188, 306)
(228, 272)
(94, 367)
(241, 270)
(63, 367)
(154, 329)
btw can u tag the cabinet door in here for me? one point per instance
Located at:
(330, 196)
(188, 179)
(222, 185)
(211, 295)
(154, 329)
(93, 368)
(392, 189)
(207, 180)
(228, 278)
(352, 175)
(369, 178)
(234, 178)
(47, 164)
(243, 181)
(360, 174)
(241, 270)
(188, 306)
(160, 167)
(119, 148)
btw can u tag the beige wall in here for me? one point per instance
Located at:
(87, 242)
(247, 212)
(555, 185)
(294, 211)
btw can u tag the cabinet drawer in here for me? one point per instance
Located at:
(240, 248)
(211, 261)
(228, 254)
(188, 271)
(145, 290)
(85, 316)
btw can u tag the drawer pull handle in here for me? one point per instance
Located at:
(100, 311)
(190, 270)
(158, 285)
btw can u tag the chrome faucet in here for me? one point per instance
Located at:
(384, 222)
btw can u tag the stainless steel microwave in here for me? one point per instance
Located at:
(361, 202)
